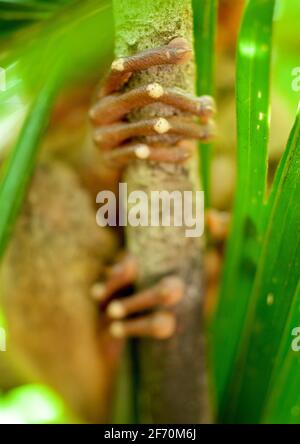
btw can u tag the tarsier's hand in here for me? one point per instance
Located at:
(141, 314)
(145, 313)
(122, 141)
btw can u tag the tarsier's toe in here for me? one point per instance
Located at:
(115, 107)
(112, 136)
(141, 314)
(176, 52)
(159, 325)
(119, 276)
(169, 291)
(120, 157)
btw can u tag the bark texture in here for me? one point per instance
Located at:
(173, 386)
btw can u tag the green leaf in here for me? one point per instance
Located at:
(283, 403)
(273, 293)
(21, 163)
(205, 18)
(248, 223)
(25, 11)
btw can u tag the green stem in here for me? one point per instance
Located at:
(205, 19)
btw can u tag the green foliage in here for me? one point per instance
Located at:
(282, 404)
(258, 298)
(253, 78)
(272, 295)
(15, 14)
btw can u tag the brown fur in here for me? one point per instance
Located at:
(56, 254)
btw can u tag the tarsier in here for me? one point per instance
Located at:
(68, 306)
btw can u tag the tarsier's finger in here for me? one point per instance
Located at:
(113, 108)
(169, 291)
(218, 224)
(176, 52)
(120, 157)
(108, 137)
(159, 325)
(119, 276)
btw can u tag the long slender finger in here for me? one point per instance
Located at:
(174, 53)
(108, 137)
(159, 325)
(121, 157)
(119, 276)
(169, 291)
(113, 108)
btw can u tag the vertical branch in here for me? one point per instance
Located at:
(172, 386)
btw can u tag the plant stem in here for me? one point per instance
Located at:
(205, 20)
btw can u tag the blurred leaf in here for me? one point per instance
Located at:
(205, 18)
(248, 224)
(283, 403)
(68, 46)
(32, 404)
(25, 11)
(287, 45)
(15, 14)
(22, 160)
(83, 32)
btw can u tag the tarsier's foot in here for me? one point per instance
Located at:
(124, 141)
(142, 314)
(146, 313)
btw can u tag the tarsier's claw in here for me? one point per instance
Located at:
(158, 139)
